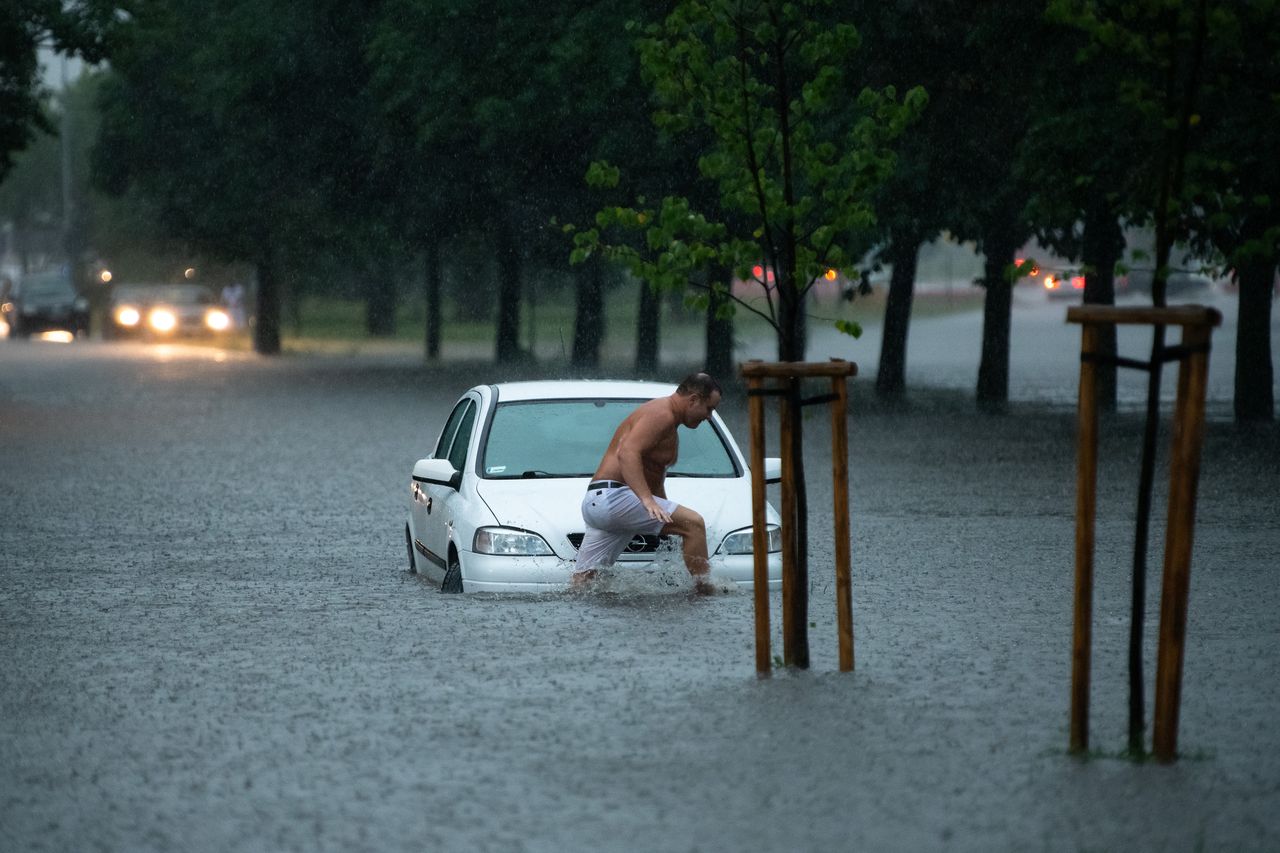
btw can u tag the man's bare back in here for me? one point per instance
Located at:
(643, 447)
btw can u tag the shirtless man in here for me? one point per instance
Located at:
(628, 494)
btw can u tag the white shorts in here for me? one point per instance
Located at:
(614, 517)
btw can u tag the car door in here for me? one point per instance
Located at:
(434, 502)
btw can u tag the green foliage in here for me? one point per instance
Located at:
(80, 29)
(794, 164)
(240, 136)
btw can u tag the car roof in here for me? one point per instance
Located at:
(560, 389)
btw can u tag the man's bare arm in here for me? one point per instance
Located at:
(646, 432)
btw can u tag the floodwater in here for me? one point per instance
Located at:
(211, 641)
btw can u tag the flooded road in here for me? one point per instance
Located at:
(211, 641)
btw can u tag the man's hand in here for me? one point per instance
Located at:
(655, 511)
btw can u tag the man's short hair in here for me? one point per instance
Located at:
(698, 384)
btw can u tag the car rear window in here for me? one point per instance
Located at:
(567, 438)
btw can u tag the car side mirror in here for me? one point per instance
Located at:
(772, 469)
(439, 472)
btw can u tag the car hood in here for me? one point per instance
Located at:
(552, 508)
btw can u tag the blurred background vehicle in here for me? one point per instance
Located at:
(164, 311)
(1179, 283)
(44, 302)
(1063, 285)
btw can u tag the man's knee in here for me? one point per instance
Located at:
(685, 522)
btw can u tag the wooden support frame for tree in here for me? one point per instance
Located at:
(788, 375)
(1197, 324)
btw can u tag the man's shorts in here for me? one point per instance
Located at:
(614, 517)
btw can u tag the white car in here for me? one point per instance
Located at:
(498, 506)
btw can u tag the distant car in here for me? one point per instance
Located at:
(1179, 282)
(1062, 285)
(164, 311)
(45, 302)
(497, 506)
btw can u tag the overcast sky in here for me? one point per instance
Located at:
(51, 68)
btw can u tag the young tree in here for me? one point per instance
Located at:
(1160, 46)
(795, 167)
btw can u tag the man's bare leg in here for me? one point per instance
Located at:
(692, 530)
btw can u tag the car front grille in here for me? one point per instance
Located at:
(640, 544)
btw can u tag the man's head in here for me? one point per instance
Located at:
(700, 395)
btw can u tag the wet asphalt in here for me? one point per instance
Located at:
(211, 642)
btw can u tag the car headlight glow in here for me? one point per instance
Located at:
(217, 320)
(162, 320)
(509, 543)
(127, 315)
(739, 541)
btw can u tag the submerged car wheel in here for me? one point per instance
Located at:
(453, 575)
(408, 541)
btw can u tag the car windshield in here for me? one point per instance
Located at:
(43, 287)
(183, 294)
(567, 438)
(132, 293)
(164, 294)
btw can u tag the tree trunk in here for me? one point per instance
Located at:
(1103, 247)
(380, 300)
(791, 331)
(1254, 397)
(266, 326)
(431, 286)
(509, 272)
(647, 332)
(290, 290)
(719, 359)
(891, 377)
(588, 324)
(791, 347)
(993, 370)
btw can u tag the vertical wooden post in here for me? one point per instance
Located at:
(795, 615)
(759, 535)
(1184, 476)
(1197, 323)
(840, 485)
(1086, 508)
(790, 640)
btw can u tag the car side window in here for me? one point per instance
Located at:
(458, 453)
(450, 429)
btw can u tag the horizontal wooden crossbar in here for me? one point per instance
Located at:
(1177, 315)
(1167, 354)
(799, 369)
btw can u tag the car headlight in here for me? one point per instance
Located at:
(739, 541)
(162, 320)
(509, 543)
(128, 316)
(217, 320)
